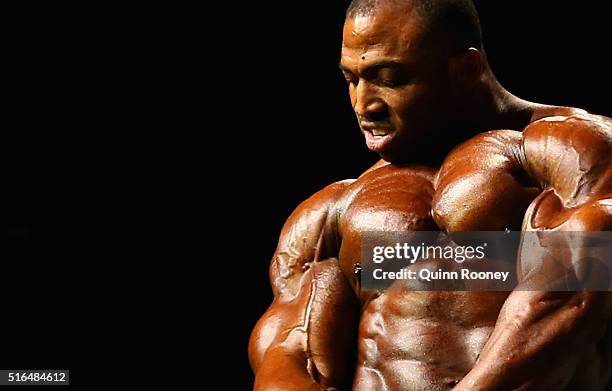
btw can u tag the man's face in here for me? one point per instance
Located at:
(398, 87)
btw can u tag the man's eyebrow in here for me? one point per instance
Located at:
(384, 64)
(376, 65)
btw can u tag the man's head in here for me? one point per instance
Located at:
(408, 62)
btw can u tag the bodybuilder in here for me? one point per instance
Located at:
(420, 85)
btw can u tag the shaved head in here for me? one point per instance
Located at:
(454, 22)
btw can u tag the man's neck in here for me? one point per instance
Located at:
(499, 109)
(490, 107)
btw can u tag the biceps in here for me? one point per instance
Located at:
(573, 248)
(317, 326)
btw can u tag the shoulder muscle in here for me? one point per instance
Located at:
(307, 236)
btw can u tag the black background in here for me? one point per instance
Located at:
(287, 130)
(299, 127)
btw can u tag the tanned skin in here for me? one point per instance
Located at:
(549, 169)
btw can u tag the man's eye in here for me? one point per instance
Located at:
(388, 83)
(391, 78)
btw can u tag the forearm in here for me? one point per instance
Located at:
(538, 340)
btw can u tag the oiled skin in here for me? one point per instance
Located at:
(411, 340)
(407, 339)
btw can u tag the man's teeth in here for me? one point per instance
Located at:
(379, 132)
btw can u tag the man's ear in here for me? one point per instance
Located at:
(467, 66)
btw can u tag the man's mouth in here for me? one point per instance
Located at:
(377, 139)
(379, 132)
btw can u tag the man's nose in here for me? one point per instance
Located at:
(367, 102)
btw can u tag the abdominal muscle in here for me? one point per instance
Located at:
(412, 340)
